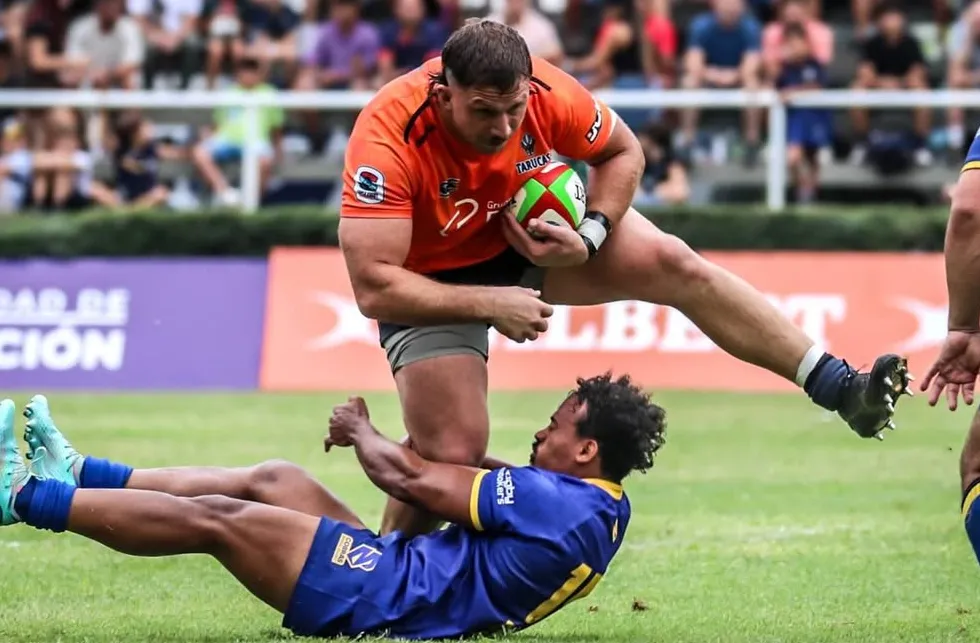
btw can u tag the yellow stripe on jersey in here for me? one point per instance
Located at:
(475, 499)
(972, 165)
(567, 592)
(970, 497)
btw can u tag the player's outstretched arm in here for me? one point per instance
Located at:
(443, 489)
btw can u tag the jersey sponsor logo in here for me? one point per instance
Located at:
(505, 488)
(369, 185)
(593, 134)
(533, 163)
(527, 144)
(363, 557)
(447, 187)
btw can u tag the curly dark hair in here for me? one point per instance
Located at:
(622, 419)
(484, 53)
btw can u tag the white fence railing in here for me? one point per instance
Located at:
(617, 99)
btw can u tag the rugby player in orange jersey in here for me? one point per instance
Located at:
(435, 256)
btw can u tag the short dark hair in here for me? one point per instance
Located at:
(888, 6)
(622, 419)
(484, 53)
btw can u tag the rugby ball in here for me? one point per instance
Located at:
(555, 194)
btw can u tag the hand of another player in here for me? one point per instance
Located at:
(955, 369)
(347, 420)
(551, 246)
(520, 314)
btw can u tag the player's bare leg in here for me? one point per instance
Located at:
(640, 262)
(444, 404)
(970, 456)
(277, 483)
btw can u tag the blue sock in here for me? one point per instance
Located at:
(103, 474)
(45, 504)
(825, 384)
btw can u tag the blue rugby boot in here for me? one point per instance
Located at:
(867, 401)
(13, 472)
(51, 455)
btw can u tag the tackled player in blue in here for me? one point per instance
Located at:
(523, 542)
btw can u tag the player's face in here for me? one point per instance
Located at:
(558, 447)
(484, 117)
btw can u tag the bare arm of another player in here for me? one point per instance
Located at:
(963, 254)
(443, 489)
(375, 250)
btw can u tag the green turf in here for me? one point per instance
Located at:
(764, 520)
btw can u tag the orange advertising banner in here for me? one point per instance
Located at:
(856, 305)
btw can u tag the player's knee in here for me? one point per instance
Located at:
(270, 474)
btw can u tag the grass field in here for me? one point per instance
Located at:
(763, 520)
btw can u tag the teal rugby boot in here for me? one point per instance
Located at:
(51, 455)
(13, 473)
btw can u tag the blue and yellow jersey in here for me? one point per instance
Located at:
(972, 161)
(542, 540)
(971, 515)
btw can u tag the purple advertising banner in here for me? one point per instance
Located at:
(131, 324)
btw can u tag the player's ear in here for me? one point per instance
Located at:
(588, 451)
(442, 95)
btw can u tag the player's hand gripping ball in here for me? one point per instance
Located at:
(556, 195)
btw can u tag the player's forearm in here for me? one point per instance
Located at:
(399, 296)
(963, 268)
(494, 463)
(614, 181)
(389, 465)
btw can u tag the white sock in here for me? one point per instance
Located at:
(807, 364)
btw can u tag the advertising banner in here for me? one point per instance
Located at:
(131, 324)
(856, 305)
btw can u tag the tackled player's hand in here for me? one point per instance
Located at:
(520, 314)
(551, 246)
(347, 420)
(955, 369)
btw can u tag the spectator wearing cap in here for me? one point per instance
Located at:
(723, 53)
(537, 30)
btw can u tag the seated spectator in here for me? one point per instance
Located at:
(170, 31)
(819, 34)
(538, 31)
(48, 65)
(864, 10)
(136, 160)
(664, 180)
(723, 52)
(63, 186)
(661, 37)
(228, 141)
(808, 129)
(345, 56)
(270, 35)
(113, 44)
(9, 78)
(408, 40)
(18, 164)
(892, 59)
(963, 53)
(618, 52)
(224, 36)
(13, 18)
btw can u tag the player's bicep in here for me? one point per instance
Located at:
(582, 124)
(374, 252)
(446, 490)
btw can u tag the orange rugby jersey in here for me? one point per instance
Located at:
(401, 162)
